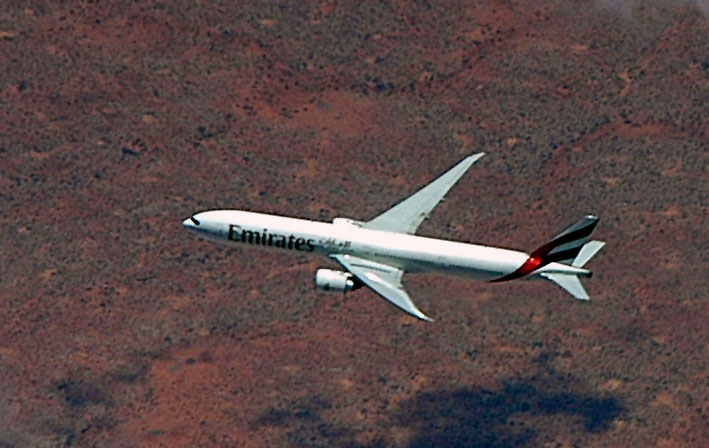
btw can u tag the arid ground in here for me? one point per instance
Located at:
(119, 119)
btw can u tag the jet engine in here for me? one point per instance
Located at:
(338, 281)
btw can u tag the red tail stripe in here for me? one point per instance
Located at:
(528, 267)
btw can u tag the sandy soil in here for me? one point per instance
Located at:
(118, 120)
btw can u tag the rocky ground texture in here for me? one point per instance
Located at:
(120, 119)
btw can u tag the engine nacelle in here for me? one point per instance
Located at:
(338, 281)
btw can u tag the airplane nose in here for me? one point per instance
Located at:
(190, 223)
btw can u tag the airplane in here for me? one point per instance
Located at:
(377, 253)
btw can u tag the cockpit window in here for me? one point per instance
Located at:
(194, 220)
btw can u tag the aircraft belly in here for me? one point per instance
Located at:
(418, 255)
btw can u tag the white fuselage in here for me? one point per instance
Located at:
(411, 253)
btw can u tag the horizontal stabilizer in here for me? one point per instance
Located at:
(570, 283)
(587, 252)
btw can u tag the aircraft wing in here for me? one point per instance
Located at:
(406, 216)
(383, 279)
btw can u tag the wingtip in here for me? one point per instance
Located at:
(419, 315)
(424, 317)
(472, 158)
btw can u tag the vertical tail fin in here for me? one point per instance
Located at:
(566, 246)
(570, 247)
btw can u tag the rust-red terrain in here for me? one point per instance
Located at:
(118, 120)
